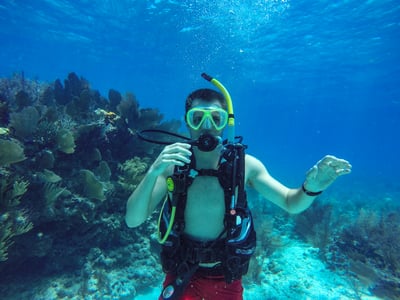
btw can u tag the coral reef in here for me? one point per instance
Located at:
(133, 171)
(69, 158)
(14, 221)
(25, 122)
(364, 244)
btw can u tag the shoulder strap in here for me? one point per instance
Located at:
(232, 175)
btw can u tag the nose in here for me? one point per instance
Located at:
(207, 124)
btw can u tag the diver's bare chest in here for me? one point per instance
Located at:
(206, 190)
(205, 208)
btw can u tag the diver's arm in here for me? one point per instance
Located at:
(291, 200)
(153, 188)
(145, 198)
(318, 178)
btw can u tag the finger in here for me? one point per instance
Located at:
(178, 147)
(340, 172)
(176, 157)
(182, 145)
(176, 152)
(339, 165)
(174, 162)
(334, 163)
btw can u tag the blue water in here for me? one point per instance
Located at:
(307, 78)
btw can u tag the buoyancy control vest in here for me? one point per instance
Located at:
(235, 245)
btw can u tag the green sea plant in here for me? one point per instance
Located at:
(4, 112)
(374, 237)
(128, 109)
(149, 118)
(12, 223)
(315, 225)
(66, 141)
(51, 193)
(11, 191)
(45, 159)
(47, 97)
(5, 236)
(79, 105)
(49, 134)
(114, 98)
(48, 176)
(22, 99)
(18, 190)
(368, 248)
(25, 122)
(11, 152)
(92, 187)
(103, 171)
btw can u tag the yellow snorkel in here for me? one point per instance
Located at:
(228, 99)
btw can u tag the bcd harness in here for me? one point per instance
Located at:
(235, 245)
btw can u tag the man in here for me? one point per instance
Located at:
(205, 211)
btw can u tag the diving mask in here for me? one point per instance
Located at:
(196, 117)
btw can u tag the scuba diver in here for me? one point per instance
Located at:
(205, 226)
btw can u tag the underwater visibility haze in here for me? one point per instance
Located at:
(307, 78)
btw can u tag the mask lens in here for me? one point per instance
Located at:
(198, 118)
(217, 116)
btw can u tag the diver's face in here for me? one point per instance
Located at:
(205, 124)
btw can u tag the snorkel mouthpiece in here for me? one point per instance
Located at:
(207, 142)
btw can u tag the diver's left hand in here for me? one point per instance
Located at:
(325, 172)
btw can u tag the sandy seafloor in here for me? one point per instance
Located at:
(298, 273)
(301, 276)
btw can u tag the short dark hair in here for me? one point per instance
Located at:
(207, 95)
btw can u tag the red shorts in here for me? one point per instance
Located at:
(209, 288)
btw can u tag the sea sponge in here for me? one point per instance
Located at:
(66, 141)
(92, 187)
(10, 152)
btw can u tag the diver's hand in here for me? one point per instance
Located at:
(325, 172)
(177, 154)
